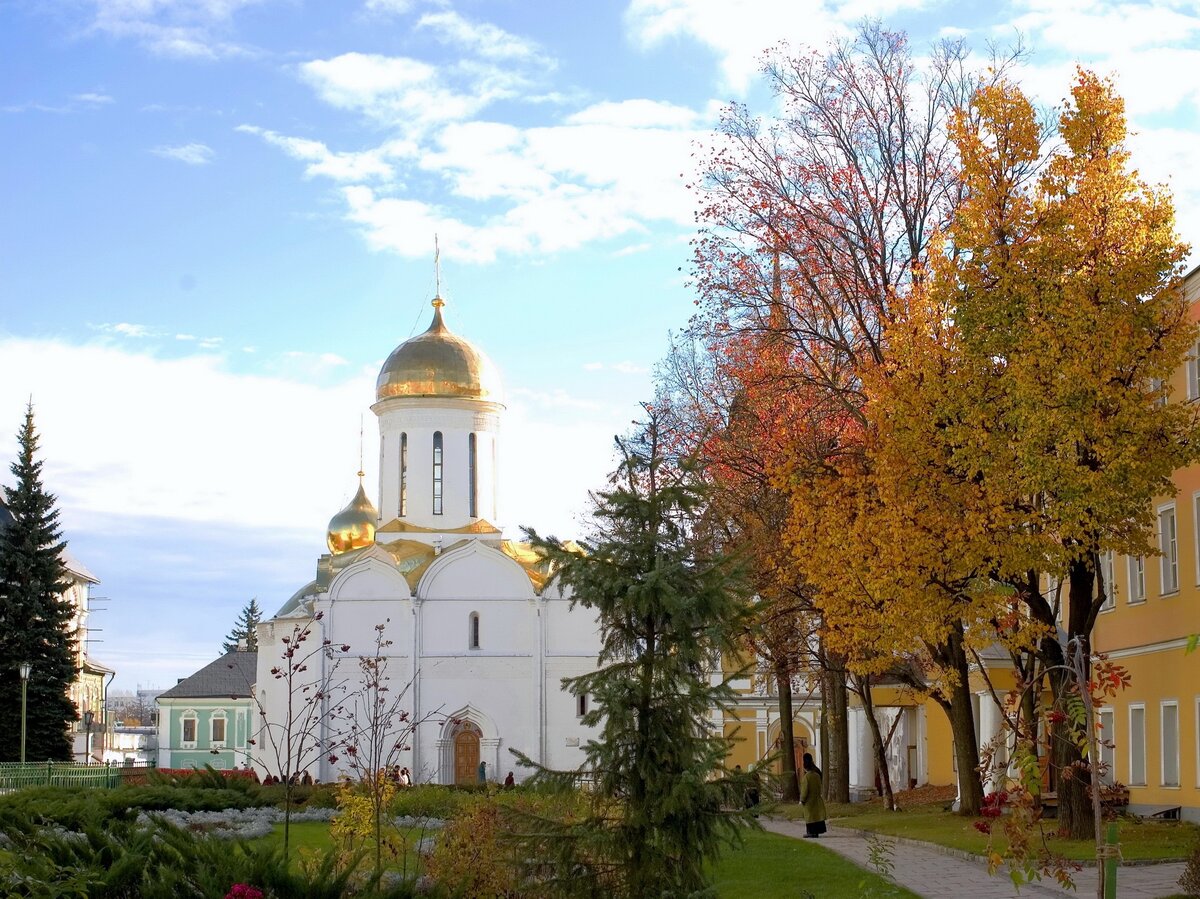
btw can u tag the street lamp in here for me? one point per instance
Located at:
(24, 668)
(88, 717)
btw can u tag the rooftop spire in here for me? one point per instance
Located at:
(437, 269)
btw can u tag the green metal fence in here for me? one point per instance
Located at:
(15, 775)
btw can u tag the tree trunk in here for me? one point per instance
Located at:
(952, 655)
(787, 735)
(881, 765)
(1070, 772)
(837, 760)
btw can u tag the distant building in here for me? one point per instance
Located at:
(207, 719)
(132, 746)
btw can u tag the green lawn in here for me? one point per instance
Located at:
(771, 864)
(1140, 839)
(790, 866)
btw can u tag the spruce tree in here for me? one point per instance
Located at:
(34, 614)
(245, 628)
(662, 804)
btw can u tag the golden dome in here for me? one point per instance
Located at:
(438, 364)
(354, 526)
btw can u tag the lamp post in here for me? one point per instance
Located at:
(88, 717)
(24, 668)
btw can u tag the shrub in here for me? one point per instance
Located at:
(430, 801)
(126, 859)
(469, 858)
(1190, 881)
(76, 808)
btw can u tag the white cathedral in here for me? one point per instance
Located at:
(484, 636)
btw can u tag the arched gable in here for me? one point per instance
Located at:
(372, 576)
(475, 571)
(482, 720)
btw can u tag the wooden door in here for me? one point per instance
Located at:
(466, 756)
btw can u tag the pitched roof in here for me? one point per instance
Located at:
(229, 677)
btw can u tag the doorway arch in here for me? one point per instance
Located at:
(803, 740)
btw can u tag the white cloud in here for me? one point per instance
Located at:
(127, 329)
(1091, 28)
(148, 420)
(394, 7)
(394, 90)
(636, 114)
(340, 166)
(191, 154)
(188, 29)
(482, 38)
(609, 171)
(93, 99)
(633, 248)
(624, 368)
(737, 31)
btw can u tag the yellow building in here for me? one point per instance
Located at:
(1155, 724)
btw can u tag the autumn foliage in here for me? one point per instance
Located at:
(942, 328)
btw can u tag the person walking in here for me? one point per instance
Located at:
(810, 798)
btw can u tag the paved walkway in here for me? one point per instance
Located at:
(937, 873)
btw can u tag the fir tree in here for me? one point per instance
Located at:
(667, 608)
(246, 628)
(34, 614)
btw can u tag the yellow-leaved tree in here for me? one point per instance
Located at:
(1040, 404)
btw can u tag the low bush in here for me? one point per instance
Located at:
(76, 808)
(152, 859)
(1190, 881)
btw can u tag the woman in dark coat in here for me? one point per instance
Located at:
(810, 798)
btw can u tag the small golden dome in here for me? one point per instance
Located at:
(354, 526)
(439, 364)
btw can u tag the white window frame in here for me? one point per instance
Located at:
(1197, 783)
(1162, 743)
(1108, 734)
(1159, 386)
(218, 715)
(189, 715)
(1196, 533)
(474, 632)
(1193, 372)
(1133, 754)
(1136, 569)
(1108, 569)
(581, 705)
(1169, 552)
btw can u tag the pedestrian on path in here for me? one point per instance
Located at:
(810, 798)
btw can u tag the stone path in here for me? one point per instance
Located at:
(938, 873)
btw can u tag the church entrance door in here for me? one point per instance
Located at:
(466, 754)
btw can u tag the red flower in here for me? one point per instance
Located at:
(244, 891)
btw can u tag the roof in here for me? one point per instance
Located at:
(229, 677)
(77, 568)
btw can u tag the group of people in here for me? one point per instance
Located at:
(400, 776)
(297, 777)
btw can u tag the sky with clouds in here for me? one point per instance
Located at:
(218, 219)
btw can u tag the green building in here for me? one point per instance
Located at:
(207, 719)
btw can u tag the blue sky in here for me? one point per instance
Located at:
(217, 220)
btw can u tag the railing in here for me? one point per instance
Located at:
(15, 775)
